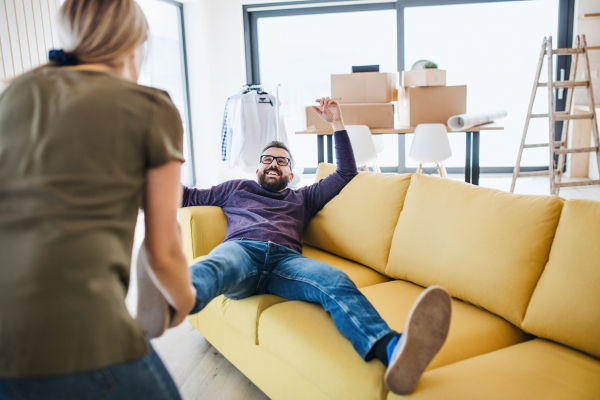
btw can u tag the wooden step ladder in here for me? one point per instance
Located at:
(560, 148)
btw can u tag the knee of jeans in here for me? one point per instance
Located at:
(228, 258)
(338, 278)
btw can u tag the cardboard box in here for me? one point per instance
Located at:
(424, 77)
(374, 115)
(364, 87)
(430, 105)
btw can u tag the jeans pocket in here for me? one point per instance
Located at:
(78, 386)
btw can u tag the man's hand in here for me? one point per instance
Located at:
(331, 112)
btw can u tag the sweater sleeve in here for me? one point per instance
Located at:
(215, 196)
(320, 193)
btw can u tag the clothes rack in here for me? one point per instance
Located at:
(276, 102)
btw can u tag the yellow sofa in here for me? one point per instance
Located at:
(524, 273)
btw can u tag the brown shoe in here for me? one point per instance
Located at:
(425, 333)
(152, 309)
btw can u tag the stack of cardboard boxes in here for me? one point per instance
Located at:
(365, 99)
(424, 98)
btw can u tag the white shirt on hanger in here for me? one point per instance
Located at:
(253, 124)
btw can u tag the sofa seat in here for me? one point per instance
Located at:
(473, 331)
(304, 337)
(538, 369)
(243, 315)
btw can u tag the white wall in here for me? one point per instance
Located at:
(217, 69)
(27, 33)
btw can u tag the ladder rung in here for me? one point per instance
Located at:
(564, 117)
(533, 173)
(529, 146)
(565, 51)
(546, 115)
(562, 84)
(578, 150)
(577, 183)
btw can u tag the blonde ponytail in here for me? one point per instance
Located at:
(101, 31)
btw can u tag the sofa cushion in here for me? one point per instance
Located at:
(203, 229)
(359, 222)
(565, 306)
(324, 170)
(473, 331)
(243, 315)
(304, 337)
(537, 369)
(485, 246)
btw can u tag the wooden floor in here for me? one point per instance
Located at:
(202, 373)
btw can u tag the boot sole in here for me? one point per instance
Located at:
(425, 333)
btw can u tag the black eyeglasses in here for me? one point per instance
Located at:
(281, 161)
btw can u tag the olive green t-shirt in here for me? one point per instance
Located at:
(75, 146)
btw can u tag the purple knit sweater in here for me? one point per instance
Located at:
(257, 214)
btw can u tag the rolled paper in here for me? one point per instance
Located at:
(464, 121)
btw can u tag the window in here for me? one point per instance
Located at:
(491, 46)
(301, 52)
(164, 67)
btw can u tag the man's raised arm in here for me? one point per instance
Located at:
(320, 193)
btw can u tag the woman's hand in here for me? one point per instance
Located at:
(184, 309)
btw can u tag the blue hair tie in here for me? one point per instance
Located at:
(61, 58)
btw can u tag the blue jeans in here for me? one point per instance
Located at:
(146, 378)
(244, 268)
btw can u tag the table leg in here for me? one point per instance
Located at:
(475, 167)
(330, 149)
(401, 152)
(320, 150)
(468, 159)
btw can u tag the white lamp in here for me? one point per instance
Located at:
(431, 145)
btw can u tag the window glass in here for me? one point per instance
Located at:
(163, 67)
(493, 48)
(301, 52)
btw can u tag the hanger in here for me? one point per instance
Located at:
(259, 90)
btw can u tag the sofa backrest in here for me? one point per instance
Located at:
(485, 246)
(565, 306)
(359, 222)
(202, 228)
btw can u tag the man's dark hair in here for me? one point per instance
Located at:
(279, 145)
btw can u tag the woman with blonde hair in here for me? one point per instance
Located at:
(82, 147)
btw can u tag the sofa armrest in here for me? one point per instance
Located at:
(202, 228)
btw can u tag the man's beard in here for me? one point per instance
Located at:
(273, 185)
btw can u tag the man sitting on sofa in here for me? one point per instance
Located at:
(261, 254)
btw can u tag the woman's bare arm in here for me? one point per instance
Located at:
(168, 265)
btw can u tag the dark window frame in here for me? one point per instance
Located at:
(566, 15)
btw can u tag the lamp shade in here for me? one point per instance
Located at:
(430, 144)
